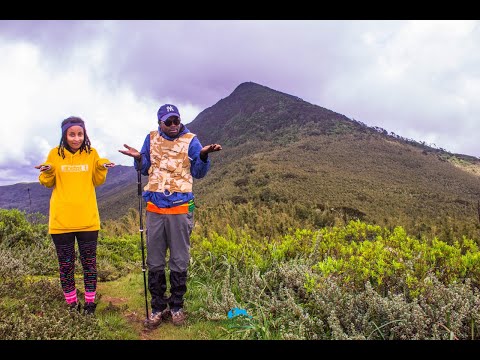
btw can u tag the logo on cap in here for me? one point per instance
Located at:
(170, 108)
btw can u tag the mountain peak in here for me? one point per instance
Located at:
(257, 112)
(249, 85)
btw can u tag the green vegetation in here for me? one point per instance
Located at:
(338, 280)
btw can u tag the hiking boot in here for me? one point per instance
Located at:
(75, 306)
(89, 308)
(178, 317)
(155, 319)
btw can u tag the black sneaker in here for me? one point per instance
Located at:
(76, 306)
(89, 308)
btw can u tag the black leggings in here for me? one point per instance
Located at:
(87, 245)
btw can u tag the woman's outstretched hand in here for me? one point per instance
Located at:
(43, 167)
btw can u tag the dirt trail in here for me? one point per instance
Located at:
(137, 319)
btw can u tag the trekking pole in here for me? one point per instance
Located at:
(140, 211)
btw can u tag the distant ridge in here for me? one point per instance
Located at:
(114, 197)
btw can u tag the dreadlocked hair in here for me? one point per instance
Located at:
(72, 121)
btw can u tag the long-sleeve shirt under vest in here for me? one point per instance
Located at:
(198, 169)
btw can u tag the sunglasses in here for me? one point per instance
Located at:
(171, 121)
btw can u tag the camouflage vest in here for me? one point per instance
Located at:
(170, 165)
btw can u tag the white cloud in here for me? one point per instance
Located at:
(39, 96)
(417, 79)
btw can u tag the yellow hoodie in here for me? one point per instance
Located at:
(73, 204)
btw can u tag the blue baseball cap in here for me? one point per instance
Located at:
(166, 111)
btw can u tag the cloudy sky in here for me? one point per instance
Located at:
(418, 79)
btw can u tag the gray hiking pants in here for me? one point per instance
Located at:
(168, 232)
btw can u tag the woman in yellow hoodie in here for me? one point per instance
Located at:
(73, 169)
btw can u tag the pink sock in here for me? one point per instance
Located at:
(71, 296)
(89, 296)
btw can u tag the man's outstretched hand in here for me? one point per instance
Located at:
(208, 149)
(131, 152)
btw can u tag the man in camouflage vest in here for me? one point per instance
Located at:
(171, 156)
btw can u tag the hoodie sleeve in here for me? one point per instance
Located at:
(99, 171)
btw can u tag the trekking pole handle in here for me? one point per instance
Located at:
(139, 182)
(139, 175)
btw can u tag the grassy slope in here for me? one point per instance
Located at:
(378, 177)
